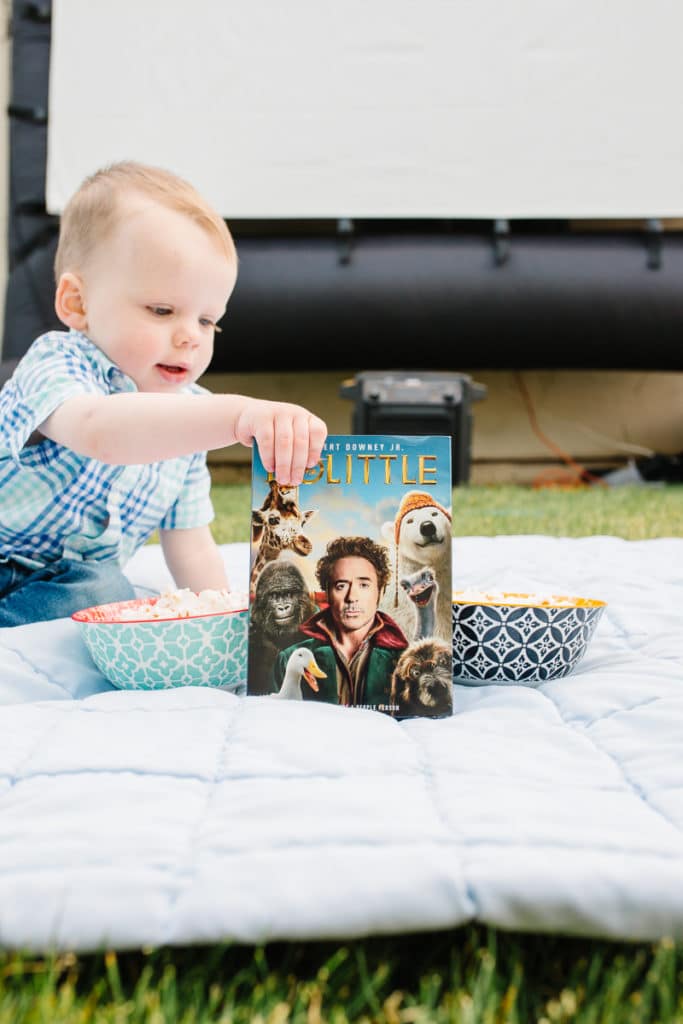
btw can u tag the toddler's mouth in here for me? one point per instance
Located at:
(172, 371)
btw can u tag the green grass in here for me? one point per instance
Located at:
(635, 513)
(470, 975)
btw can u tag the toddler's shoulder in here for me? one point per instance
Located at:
(55, 347)
(32, 365)
(57, 366)
(64, 355)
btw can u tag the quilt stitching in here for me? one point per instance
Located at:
(630, 782)
(430, 782)
(616, 711)
(18, 776)
(621, 632)
(529, 781)
(40, 671)
(448, 843)
(81, 707)
(185, 874)
(638, 643)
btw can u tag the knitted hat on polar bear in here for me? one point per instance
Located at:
(411, 501)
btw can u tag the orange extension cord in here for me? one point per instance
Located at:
(579, 475)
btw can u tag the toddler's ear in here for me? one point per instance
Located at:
(69, 303)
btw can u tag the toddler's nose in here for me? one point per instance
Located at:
(185, 338)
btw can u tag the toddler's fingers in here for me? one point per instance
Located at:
(301, 446)
(265, 440)
(317, 432)
(283, 447)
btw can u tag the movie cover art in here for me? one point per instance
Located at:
(350, 578)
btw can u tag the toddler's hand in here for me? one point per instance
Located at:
(289, 437)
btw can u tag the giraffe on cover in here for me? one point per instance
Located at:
(277, 526)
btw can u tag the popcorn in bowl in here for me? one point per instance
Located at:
(502, 637)
(181, 604)
(177, 639)
(504, 597)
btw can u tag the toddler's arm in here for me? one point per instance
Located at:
(134, 428)
(193, 559)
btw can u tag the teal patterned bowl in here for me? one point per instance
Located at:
(157, 654)
(520, 638)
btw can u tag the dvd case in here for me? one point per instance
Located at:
(350, 578)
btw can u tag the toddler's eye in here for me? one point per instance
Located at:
(160, 310)
(206, 321)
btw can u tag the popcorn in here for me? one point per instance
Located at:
(500, 597)
(182, 604)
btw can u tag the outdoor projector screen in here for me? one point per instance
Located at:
(377, 108)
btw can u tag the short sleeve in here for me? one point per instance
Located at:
(53, 369)
(193, 505)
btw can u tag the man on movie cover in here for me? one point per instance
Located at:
(353, 643)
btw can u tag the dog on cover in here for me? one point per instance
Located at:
(420, 537)
(422, 680)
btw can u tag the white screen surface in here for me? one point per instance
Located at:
(388, 108)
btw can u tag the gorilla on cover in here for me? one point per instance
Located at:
(281, 604)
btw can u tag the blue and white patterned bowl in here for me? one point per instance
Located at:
(527, 640)
(158, 654)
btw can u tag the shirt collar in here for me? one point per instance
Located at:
(116, 378)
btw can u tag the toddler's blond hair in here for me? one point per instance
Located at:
(92, 211)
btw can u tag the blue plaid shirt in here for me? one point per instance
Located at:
(57, 504)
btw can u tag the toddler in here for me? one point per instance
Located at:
(103, 430)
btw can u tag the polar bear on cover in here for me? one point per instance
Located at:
(420, 536)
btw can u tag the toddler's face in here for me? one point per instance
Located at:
(153, 292)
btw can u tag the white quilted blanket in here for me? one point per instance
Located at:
(196, 815)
